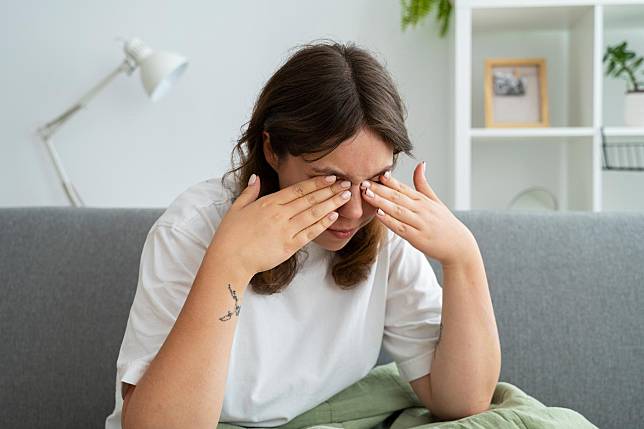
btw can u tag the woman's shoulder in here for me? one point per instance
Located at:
(199, 208)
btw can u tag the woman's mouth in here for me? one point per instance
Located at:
(342, 233)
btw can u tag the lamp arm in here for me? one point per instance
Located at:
(72, 194)
(50, 128)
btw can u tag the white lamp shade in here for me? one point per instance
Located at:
(159, 69)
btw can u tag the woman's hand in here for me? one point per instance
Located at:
(262, 233)
(421, 218)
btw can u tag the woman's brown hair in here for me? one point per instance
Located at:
(324, 94)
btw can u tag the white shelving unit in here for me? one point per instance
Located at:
(491, 165)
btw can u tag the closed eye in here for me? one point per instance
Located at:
(342, 178)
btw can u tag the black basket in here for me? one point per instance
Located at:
(625, 156)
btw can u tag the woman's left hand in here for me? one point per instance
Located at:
(421, 218)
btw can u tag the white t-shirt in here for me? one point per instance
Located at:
(294, 349)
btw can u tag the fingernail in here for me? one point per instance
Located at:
(346, 195)
(424, 167)
(252, 179)
(345, 184)
(369, 193)
(387, 174)
(330, 179)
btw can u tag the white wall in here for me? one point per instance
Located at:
(124, 150)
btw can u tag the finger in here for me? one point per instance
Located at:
(394, 195)
(403, 229)
(400, 213)
(249, 194)
(299, 189)
(421, 183)
(308, 234)
(401, 187)
(315, 213)
(309, 200)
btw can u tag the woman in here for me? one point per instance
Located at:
(275, 289)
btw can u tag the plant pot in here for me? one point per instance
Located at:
(634, 109)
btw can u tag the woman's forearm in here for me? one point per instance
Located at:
(467, 359)
(184, 384)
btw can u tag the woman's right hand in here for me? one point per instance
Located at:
(262, 233)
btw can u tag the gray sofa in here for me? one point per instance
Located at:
(567, 290)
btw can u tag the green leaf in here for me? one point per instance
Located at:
(415, 10)
(444, 11)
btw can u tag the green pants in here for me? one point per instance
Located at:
(382, 400)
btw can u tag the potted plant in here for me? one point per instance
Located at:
(625, 63)
(414, 10)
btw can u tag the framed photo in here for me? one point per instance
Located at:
(516, 92)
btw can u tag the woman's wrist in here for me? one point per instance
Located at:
(222, 260)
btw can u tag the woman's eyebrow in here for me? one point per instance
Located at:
(329, 170)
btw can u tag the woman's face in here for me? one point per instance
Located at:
(363, 157)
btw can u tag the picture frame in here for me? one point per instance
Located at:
(516, 93)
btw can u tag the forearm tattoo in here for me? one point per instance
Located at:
(229, 314)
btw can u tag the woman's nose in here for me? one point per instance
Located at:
(352, 209)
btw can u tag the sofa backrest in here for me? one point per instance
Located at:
(567, 290)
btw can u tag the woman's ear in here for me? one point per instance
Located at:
(269, 155)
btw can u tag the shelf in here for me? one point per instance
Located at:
(551, 132)
(623, 132)
(501, 170)
(562, 35)
(567, 157)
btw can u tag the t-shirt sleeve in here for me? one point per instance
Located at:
(169, 263)
(413, 310)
